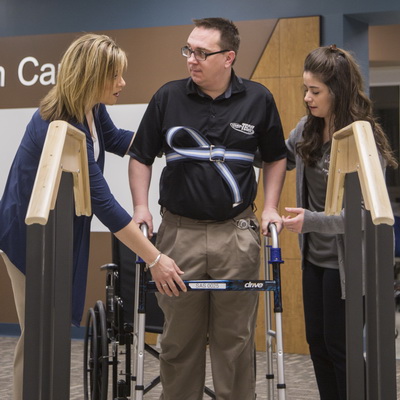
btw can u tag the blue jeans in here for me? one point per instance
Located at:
(325, 317)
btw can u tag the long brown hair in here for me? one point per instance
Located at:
(89, 63)
(338, 70)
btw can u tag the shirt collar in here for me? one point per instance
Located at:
(236, 86)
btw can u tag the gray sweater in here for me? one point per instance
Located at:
(313, 221)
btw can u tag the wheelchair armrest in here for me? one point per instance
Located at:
(109, 267)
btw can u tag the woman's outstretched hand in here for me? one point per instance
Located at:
(294, 223)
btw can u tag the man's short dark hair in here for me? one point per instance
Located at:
(230, 38)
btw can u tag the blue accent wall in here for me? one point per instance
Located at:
(343, 22)
(27, 17)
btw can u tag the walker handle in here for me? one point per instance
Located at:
(274, 234)
(274, 251)
(145, 229)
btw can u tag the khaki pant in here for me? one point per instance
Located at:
(225, 320)
(18, 286)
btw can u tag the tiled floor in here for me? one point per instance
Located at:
(299, 376)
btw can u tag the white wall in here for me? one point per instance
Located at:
(116, 168)
(12, 128)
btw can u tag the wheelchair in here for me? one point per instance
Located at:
(105, 335)
(109, 334)
(114, 328)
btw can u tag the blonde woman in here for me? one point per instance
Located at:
(90, 77)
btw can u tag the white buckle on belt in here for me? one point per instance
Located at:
(219, 157)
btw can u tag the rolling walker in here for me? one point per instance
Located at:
(106, 331)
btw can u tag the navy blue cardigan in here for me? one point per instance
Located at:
(18, 189)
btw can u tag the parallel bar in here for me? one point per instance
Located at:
(38, 311)
(380, 321)
(63, 266)
(386, 312)
(354, 290)
(48, 302)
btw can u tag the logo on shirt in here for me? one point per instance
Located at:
(244, 128)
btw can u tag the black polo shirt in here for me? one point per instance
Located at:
(244, 118)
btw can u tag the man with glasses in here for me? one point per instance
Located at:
(209, 126)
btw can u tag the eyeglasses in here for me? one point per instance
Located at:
(199, 55)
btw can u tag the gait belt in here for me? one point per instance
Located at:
(206, 151)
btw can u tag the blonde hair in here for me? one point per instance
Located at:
(89, 63)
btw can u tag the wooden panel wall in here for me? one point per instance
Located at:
(100, 253)
(280, 69)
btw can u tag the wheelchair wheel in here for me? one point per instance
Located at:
(95, 358)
